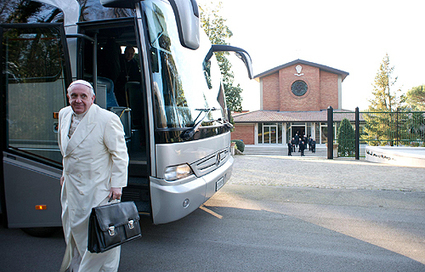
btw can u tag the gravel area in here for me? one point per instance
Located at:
(318, 172)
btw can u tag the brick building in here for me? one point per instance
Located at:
(293, 99)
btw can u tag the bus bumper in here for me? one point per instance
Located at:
(171, 202)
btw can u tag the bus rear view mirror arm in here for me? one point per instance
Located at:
(241, 53)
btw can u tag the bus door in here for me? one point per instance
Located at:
(35, 67)
(120, 89)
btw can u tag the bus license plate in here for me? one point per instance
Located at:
(219, 184)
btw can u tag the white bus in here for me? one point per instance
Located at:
(173, 110)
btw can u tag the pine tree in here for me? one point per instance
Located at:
(416, 98)
(346, 139)
(416, 122)
(380, 125)
(218, 32)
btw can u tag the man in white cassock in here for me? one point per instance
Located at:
(95, 162)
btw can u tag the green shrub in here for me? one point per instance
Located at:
(239, 145)
(346, 139)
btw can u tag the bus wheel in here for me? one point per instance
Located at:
(41, 232)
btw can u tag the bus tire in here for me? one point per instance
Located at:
(41, 232)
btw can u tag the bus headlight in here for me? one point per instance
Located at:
(177, 172)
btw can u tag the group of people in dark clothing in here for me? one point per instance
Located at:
(302, 143)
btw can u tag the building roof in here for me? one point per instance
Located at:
(299, 61)
(262, 116)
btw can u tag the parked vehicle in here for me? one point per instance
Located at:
(174, 114)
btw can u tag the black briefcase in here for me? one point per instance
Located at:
(112, 225)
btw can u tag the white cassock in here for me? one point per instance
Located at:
(94, 160)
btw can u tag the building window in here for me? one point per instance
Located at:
(270, 133)
(299, 88)
(324, 132)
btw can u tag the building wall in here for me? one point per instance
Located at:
(308, 102)
(245, 132)
(271, 91)
(329, 90)
(322, 90)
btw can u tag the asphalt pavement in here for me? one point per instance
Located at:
(276, 213)
(383, 205)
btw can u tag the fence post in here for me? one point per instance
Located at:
(357, 125)
(396, 133)
(330, 133)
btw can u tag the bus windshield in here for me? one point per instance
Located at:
(185, 88)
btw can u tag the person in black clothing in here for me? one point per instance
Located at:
(310, 140)
(289, 149)
(304, 139)
(293, 144)
(129, 71)
(297, 140)
(302, 147)
(313, 145)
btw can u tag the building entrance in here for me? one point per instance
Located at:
(298, 129)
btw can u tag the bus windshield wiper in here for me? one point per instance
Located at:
(188, 134)
(225, 123)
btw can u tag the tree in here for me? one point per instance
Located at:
(385, 99)
(416, 98)
(346, 139)
(416, 127)
(218, 32)
(415, 124)
(379, 126)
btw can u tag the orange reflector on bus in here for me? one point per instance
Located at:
(41, 207)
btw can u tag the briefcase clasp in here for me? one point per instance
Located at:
(131, 224)
(111, 230)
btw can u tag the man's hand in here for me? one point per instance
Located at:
(62, 180)
(115, 193)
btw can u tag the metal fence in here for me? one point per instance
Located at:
(405, 128)
(399, 128)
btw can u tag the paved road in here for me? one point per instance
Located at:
(263, 221)
(318, 172)
(311, 229)
(380, 204)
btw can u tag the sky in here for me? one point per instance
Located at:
(352, 36)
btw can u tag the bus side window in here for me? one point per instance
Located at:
(35, 88)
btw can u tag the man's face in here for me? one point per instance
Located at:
(81, 98)
(128, 54)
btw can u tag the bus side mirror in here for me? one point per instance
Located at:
(241, 53)
(187, 18)
(246, 58)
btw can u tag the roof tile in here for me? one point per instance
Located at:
(262, 116)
